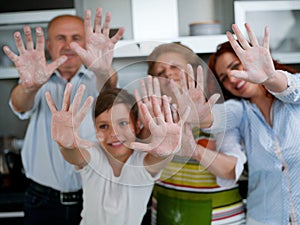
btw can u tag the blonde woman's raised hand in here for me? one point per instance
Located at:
(192, 94)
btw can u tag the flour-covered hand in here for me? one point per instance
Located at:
(256, 59)
(66, 122)
(31, 62)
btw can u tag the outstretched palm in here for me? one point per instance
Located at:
(192, 94)
(66, 123)
(256, 59)
(31, 63)
(149, 88)
(98, 53)
(165, 134)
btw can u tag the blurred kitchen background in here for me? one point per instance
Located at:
(199, 24)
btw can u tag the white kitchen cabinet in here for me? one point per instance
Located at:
(199, 44)
(188, 11)
(283, 19)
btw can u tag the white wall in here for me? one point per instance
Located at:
(130, 70)
(188, 11)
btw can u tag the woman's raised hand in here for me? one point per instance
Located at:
(256, 59)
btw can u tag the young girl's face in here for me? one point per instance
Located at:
(115, 131)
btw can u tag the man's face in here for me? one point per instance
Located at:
(61, 33)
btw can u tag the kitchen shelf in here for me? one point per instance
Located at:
(12, 18)
(287, 57)
(199, 44)
(8, 73)
(133, 48)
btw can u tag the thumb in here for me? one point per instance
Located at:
(213, 99)
(78, 49)
(84, 144)
(56, 63)
(241, 74)
(140, 146)
(185, 114)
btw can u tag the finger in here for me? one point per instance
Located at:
(241, 74)
(150, 86)
(84, 109)
(156, 108)
(118, 35)
(187, 128)
(174, 113)
(251, 35)
(146, 114)
(83, 144)
(144, 91)
(138, 99)
(242, 40)
(88, 23)
(175, 89)
(50, 102)
(185, 115)
(167, 109)
(12, 56)
(106, 24)
(67, 95)
(183, 83)
(100, 137)
(191, 76)
(55, 64)
(213, 99)
(28, 38)
(19, 42)
(97, 21)
(156, 86)
(78, 49)
(234, 44)
(40, 41)
(137, 95)
(77, 99)
(157, 92)
(200, 78)
(140, 146)
(266, 39)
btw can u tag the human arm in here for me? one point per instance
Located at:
(65, 126)
(230, 143)
(165, 139)
(98, 52)
(192, 94)
(258, 66)
(32, 68)
(218, 163)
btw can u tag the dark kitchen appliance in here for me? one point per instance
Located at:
(11, 170)
(12, 181)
